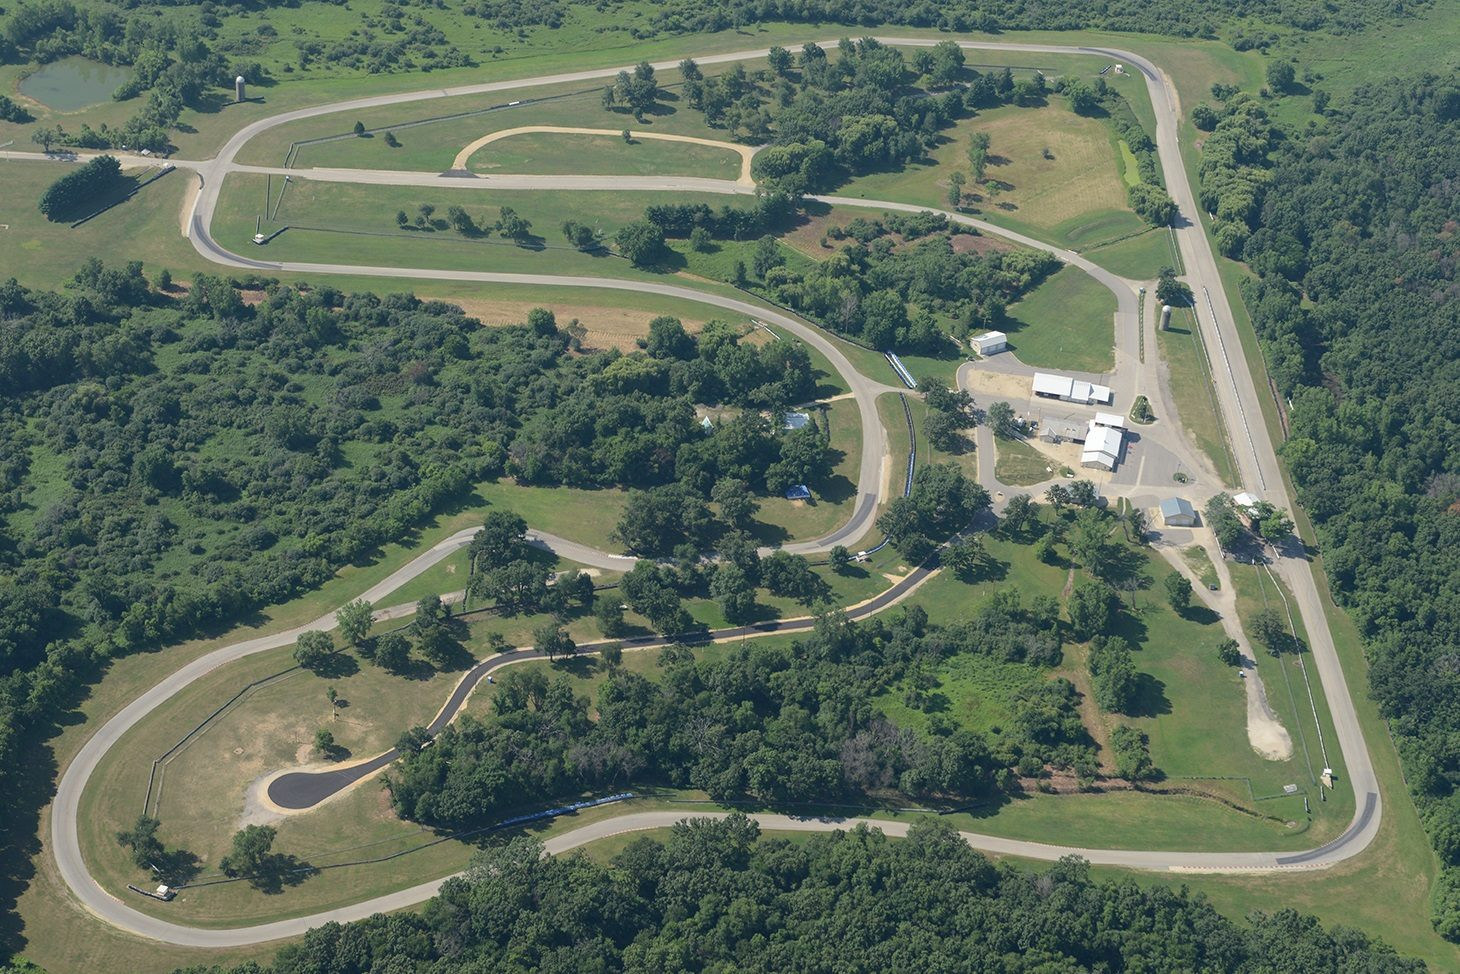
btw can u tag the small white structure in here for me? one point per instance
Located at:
(1177, 512)
(238, 89)
(1113, 420)
(1244, 501)
(795, 421)
(1102, 447)
(1062, 387)
(989, 343)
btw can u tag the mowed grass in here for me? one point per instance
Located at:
(553, 154)
(355, 224)
(1068, 322)
(430, 136)
(1192, 394)
(1018, 464)
(1139, 258)
(833, 498)
(1074, 198)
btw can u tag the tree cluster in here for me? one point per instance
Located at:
(83, 186)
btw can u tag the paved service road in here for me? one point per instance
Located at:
(1237, 394)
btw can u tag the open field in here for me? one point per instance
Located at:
(1139, 258)
(1068, 322)
(780, 520)
(1074, 198)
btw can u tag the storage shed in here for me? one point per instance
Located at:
(1177, 512)
(990, 342)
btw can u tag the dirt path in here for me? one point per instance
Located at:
(745, 152)
(1265, 732)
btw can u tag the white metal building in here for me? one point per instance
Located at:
(1113, 420)
(1102, 447)
(990, 342)
(1065, 388)
(1177, 512)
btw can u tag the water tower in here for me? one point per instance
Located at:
(238, 88)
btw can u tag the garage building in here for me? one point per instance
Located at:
(1177, 512)
(990, 342)
(1062, 387)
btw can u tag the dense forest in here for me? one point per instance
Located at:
(716, 896)
(1359, 312)
(171, 461)
(781, 726)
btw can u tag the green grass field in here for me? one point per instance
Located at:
(1139, 258)
(551, 153)
(1068, 322)
(1018, 464)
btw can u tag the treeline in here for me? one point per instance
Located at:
(81, 186)
(1359, 314)
(715, 895)
(1184, 18)
(762, 723)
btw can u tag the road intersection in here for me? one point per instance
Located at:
(1237, 394)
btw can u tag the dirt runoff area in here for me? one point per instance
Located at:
(607, 328)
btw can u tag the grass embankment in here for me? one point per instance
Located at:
(1068, 322)
(1192, 393)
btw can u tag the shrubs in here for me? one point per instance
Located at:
(88, 184)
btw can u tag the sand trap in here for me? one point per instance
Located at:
(745, 152)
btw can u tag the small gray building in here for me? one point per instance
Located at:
(989, 343)
(1177, 512)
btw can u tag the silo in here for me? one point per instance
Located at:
(1165, 317)
(238, 88)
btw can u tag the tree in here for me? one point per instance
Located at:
(1020, 514)
(1205, 117)
(1171, 291)
(641, 242)
(1151, 203)
(1082, 493)
(733, 590)
(355, 619)
(1001, 420)
(412, 741)
(45, 137)
(1178, 591)
(1083, 100)
(612, 656)
(955, 190)
(1091, 607)
(737, 504)
(1268, 628)
(438, 645)
(965, 556)
(1113, 675)
(461, 220)
(580, 235)
(313, 648)
(324, 743)
(1281, 76)
(359, 129)
(1090, 542)
(767, 255)
(164, 280)
(978, 154)
(391, 140)
(839, 559)
(512, 226)
(1229, 652)
(554, 641)
(609, 614)
(250, 852)
(779, 60)
(700, 241)
(1132, 753)
(501, 540)
(1058, 496)
(401, 218)
(393, 652)
(81, 188)
(1272, 523)
(141, 838)
(1134, 523)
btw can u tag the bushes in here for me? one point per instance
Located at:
(80, 188)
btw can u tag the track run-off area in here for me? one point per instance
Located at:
(1237, 394)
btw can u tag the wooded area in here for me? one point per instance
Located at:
(1359, 313)
(716, 896)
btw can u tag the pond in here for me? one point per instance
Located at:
(74, 82)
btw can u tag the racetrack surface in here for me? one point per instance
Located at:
(1237, 393)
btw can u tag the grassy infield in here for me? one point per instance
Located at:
(1385, 892)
